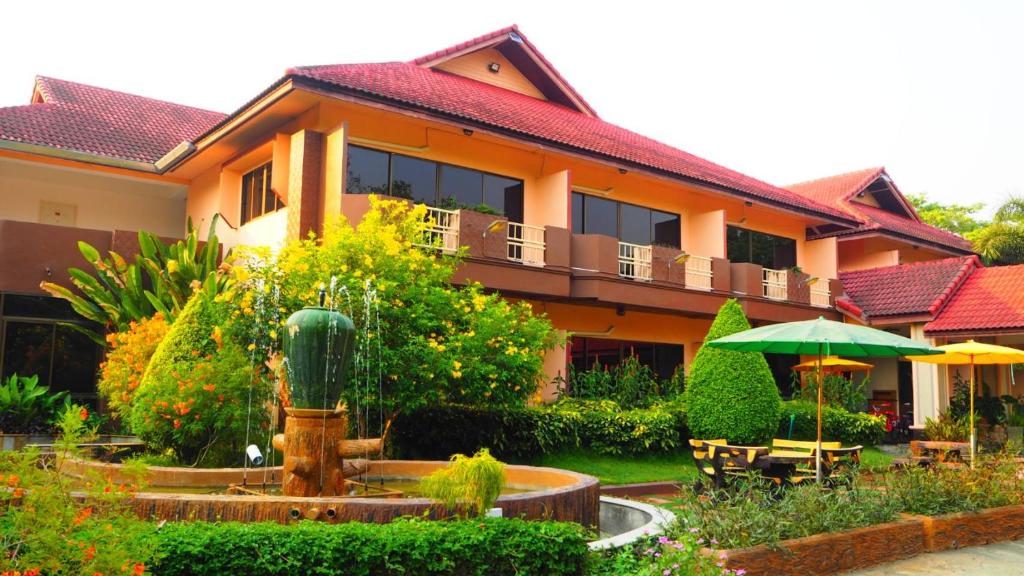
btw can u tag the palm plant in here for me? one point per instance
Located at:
(161, 279)
(1002, 241)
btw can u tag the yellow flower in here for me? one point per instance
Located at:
(172, 266)
(273, 334)
(456, 374)
(252, 347)
(457, 364)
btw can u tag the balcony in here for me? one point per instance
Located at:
(821, 294)
(526, 244)
(635, 261)
(443, 232)
(699, 273)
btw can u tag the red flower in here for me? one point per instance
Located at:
(139, 569)
(177, 423)
(90, 553)
(83, 414)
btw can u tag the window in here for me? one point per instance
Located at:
(33, 342)
(775, 252)
(661, 358)
(375, 172)
(627, 222)
(257, 196)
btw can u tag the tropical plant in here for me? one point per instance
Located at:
(946, 428)
(1002, 241)
(731, 394)
(161, 279)
(838, 390)
(474, 481)
(943, 490)
(986, 406)
(27, 406)
(202, 395)
(630, 384)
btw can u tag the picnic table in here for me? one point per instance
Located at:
(787, 461)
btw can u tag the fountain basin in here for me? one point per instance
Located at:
(551, 494)
(626, 521)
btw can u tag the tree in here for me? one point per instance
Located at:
(1001, 242)
(729, 394)
(957, 218)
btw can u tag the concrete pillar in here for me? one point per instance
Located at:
(335, 170)
(555, 366)
(304, 180)
(929, 397)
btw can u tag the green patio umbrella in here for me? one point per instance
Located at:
(822, 338)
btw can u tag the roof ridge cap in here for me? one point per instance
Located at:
(968, 266)
(49, 95)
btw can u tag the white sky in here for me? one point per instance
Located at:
(783, 91)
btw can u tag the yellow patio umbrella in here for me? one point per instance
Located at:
(972, 353)
(834, 364)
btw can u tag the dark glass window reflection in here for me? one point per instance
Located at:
(588, 353)
(27, 349)
(665, 229)
(768, 250)
(635, 224)
(627, 222)
(414, 178)
(462, 185)
(367, 171)
(601, 216)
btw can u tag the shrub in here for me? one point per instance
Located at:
(523, 433)
(27, 407)
(426, 340)
(43, 527)
(486, 546)
(846, 393)
(986, 406)
(730, 394)
(752, 513)
(474, 481)
(630, 384)
(942, 490)
(837, 424)
(130, 351)
(200, 390)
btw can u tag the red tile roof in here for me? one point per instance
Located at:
(103, 122)
(991, 300)
(545, 121)
(838, 191)
(921, 288)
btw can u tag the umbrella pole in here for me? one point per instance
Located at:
(974, 439)
(817, 452)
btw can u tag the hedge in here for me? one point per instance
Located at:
(408, 547)
(520, 434)
(837, 424)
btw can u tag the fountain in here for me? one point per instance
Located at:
(316, 478)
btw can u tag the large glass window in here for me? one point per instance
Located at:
(770, 251)
(627, 222)
(603, 353)
(433, 183)
(34, 342)
(257, 196)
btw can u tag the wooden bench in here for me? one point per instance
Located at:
(801, 452)
(716, 459)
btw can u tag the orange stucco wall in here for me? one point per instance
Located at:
(475, 66)
(875, 251)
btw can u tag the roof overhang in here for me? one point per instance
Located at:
(844, 236)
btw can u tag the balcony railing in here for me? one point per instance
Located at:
(821, 296)
(443, 232)
(776, 284)
(526, 244)
(634, 261)
(698, 273)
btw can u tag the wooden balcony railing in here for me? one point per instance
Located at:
(635, 261)
(526, 244)
(821, 296)
(443, 233)
(776, 284)
(698, 273)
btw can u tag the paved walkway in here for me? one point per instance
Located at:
(995, 559)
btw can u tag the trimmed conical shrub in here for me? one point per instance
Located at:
(731, 395)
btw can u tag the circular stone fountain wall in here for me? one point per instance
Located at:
(550, 494)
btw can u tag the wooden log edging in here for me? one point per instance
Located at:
(836, 552)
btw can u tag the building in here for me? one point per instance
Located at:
(629, 244)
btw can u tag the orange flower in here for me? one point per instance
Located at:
(177, 423)
(139, 569)
(84, 414)
(210, 387)
(90, 553)
(18, 492)
(13, 480)
(82, 515)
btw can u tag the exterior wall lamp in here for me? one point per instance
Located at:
(494, 67)
(494, 227)
(811, 280)
(681, 258)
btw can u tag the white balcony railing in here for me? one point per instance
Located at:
(634, 261)
(698, 273)
(776, 285)
(821, 296)
(443, 232)
(526, 244)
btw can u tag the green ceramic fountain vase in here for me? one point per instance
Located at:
(318, 350)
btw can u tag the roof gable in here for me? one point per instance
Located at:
(991, 300)
(531, 70)
(872, 197)
(922, 288)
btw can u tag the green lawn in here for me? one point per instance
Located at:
(676, 466)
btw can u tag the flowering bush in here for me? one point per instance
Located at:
(130, 352)
(682, 555)
(201, 390)
(44, 530)
(425, 340)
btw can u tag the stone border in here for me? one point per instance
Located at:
(659, 520)
(567, 496)
(835, 552)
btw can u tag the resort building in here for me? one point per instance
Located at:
(627, 243)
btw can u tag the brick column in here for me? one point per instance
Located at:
(304, 183)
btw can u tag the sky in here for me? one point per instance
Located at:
(784, 91)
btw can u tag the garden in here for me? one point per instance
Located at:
(197, 369)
